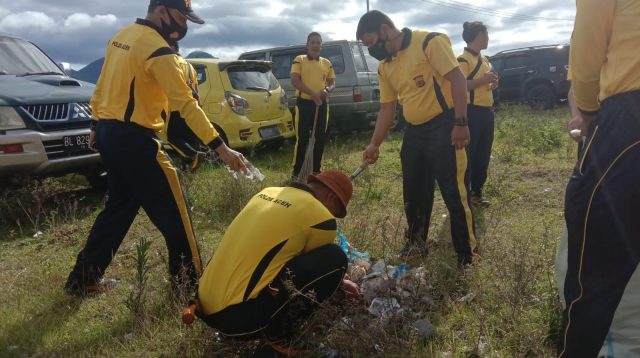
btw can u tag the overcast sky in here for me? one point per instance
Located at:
(76, 31)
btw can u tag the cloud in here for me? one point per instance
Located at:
(82, 21)
(28, 19)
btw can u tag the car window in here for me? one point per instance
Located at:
(201, 74)
(357, 58)
(282, 63)
(19, 57)
(252, 78)
(372, 63)
(515, 62)
(334, 54)
(254, 56)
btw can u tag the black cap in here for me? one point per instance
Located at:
(184, 6)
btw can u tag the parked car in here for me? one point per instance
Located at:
(535, 75)
(44, 116)
(355, 101)
(244, 102)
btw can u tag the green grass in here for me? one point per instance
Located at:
(513, 313)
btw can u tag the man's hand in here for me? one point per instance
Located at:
(233, 159)
(351, 289)
(317, 98)
(324, 94)
(371, 154)
(579, 121)
(460, 136)
(490, 77)
(92, 141)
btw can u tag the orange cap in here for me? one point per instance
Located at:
(338, 183)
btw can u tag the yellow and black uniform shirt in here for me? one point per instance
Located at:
(473, 63)
(140, 77)
(277, 224)
(605, 45)
(415, 75)
(313, 72)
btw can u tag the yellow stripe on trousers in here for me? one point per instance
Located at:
(461, 168)
(178, 195)
(297, 124)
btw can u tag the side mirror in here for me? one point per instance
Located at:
(65, 67)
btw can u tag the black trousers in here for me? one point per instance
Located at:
(428, 157)
(305, 113)
(140, 174)
(481, 125)
(276, 312)
(602, 204)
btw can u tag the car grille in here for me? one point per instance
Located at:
(48, 112)
(55, 150)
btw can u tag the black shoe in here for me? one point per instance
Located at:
(74, 288)
(412, 250)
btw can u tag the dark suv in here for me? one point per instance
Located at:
(44, 117)
(536, 75)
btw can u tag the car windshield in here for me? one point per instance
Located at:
(253, 78)
(19, 57)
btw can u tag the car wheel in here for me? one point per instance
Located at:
(541, 97)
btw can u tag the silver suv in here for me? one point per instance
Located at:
(355, 101)
(44, 116)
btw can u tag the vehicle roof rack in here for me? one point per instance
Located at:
(521, 49)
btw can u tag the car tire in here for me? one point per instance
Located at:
(541, 97)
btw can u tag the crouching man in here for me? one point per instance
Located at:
(277, 261)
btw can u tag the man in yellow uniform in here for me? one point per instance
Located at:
(314, 78)
(602, 202)
(480, 82)
(420, 69)
(141, 74)
(277, 260)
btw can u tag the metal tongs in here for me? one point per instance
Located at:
(358, 170)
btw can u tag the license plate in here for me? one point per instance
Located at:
(269, 132)
(75, 143)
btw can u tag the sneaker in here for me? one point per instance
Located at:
(479, 201)
(74, 288)
(412, 250)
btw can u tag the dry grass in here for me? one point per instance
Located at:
(506, 306)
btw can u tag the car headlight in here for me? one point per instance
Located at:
(10, 119)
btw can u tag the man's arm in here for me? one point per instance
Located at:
(460, 133)
(591, 35)
(185, 109)
(385, 119)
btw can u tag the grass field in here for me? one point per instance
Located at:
(506, 306)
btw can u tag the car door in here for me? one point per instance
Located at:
(516, 69)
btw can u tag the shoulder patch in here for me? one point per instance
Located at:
(162, 51)
(461, 59)
(428, 38)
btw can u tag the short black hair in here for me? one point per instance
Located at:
(311, 34)
(472, 29)
(371, 21)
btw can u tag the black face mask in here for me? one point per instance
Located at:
(173, 27)
(378, 50)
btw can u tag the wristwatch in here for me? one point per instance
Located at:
(461, 121)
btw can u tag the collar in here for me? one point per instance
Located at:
(406, 39)
(471, 51)
(311, 58)
(145, 22)
(300, 186)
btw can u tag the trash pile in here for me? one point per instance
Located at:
(391, 291)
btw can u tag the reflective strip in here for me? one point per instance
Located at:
(295, 148)
(179, 197)
(461, 168)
